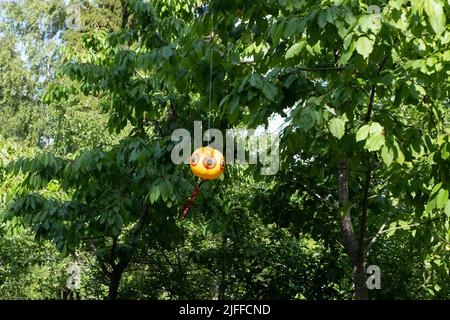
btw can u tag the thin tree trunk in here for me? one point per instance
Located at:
(222, 271)
(114, 283)
(360, 257)
(117, 269)
(359, 276)
(350, 241)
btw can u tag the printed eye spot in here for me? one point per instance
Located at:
(194, 159)
(209, 163)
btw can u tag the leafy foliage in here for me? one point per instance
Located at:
(364, 147)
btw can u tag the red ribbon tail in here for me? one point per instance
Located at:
(184, 213)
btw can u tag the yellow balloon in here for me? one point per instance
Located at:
(207, 163)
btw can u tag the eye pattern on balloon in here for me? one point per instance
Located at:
(205, 163)
(194, 159)
(209, 162)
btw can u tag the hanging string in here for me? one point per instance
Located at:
(184, 213)
(210, 74)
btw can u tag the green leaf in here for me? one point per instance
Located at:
(400, 156)
(375, 128)
(441, 198)
(166, 51)
(436, 188)
(446, 55)
(33, 203)
(447, 208)
(444, 151)
(294, 49)
(133, 155)
(374, 143)
(289, 80)
(362, 133)
(304, 118)
(430, 206)
(337, 127)
(348, 41)
(164, 187)
(364, 46)
(322, 19)
(154, 194)
(291, 27)
(347, 54)
(119, 221)
(392, 229)
(64, 250)
(233, 109)
(37, 182)
(332, 14)
(278, 33)
(366, 22)
(387, 155)
(269, 90)
(417, 91)
(436, 17)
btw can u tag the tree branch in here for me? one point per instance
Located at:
(365, 202)
(374, 238)
(318, 69)
(95, 238)
(442, 238)
(315, 194)
(371, 99)
(373, 89)
(381, 231)
(139, 226)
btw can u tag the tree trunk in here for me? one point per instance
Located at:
(117, 269)
(114, 283)
(222, 284)
(359, 278)
(350, 242)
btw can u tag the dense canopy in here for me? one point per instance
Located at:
(357, 93)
